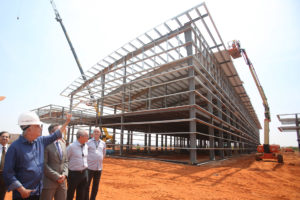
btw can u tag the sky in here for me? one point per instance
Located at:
(36, 63)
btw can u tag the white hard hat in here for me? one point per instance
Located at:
(29, 118)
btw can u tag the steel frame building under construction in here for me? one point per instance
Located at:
(172, 89)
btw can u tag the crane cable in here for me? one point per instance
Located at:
(19, 10)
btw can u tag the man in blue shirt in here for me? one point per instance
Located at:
(24, 161)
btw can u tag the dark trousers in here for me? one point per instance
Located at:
(95, 175)
(36, 197)
(3, 188)
(77, 180)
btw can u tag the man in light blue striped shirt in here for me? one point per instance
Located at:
(77, 153)
(96, 154)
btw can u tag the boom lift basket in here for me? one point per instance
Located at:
(234, 49)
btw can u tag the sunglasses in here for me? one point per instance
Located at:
(26, 127)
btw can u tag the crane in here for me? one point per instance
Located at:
(265, 151)
(59, 19)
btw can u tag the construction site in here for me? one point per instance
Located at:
(173, 90)
(176, 118)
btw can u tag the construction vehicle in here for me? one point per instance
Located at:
(106, 137)
(289, 149)
(59, 19)
(265, 151)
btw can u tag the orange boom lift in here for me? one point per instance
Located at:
(265, 151)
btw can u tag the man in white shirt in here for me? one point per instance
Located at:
(96, 154)
(4, 138)
(78, 174)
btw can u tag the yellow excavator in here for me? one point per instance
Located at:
(106, 137)
(265, 151)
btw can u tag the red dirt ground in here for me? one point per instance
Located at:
(235, 178)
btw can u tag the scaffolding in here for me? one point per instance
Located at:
(291, 123)
(172, 89)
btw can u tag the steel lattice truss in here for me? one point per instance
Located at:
(180, 64)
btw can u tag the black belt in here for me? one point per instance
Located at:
(30, 197)
(78, 171)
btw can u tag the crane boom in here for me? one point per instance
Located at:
(236, 51)
(263, 96)
(258, 85)
(266, 151)
(59, 19)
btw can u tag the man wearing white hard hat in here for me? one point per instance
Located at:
(24, 161)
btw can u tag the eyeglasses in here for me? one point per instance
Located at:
(40, 126)
(36, 125)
